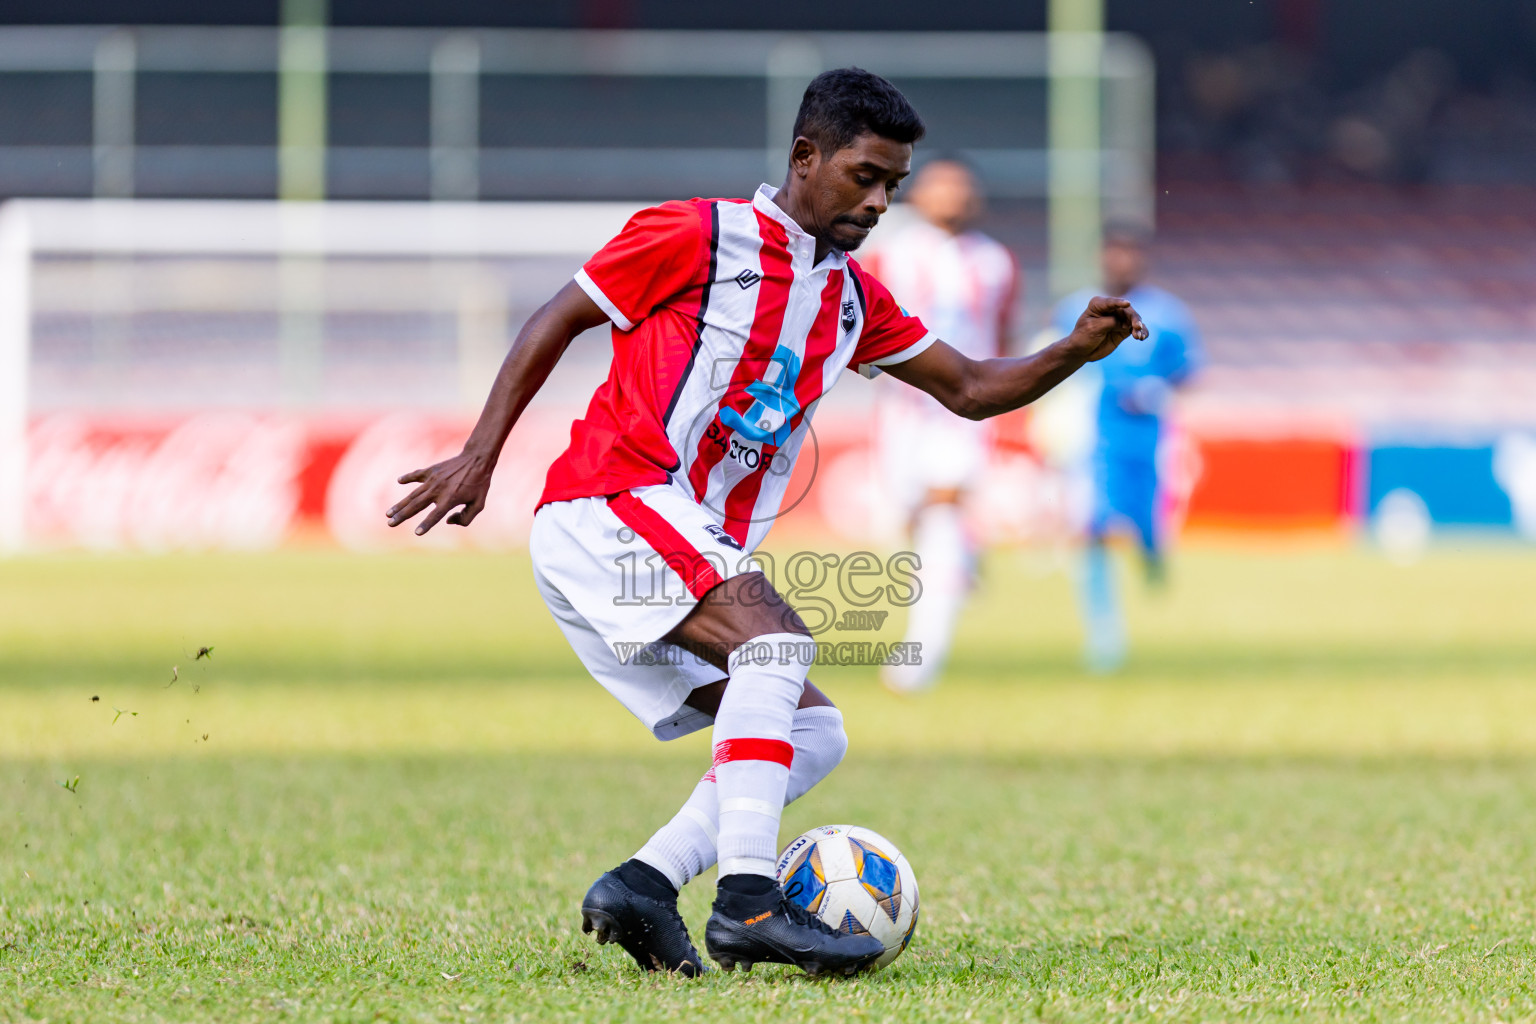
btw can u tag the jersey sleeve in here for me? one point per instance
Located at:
(661, 252)
(891, 334)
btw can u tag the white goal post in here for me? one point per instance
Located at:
(444, 244)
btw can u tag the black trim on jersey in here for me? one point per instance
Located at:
(698, 338)
(858, 288)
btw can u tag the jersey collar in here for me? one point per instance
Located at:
(801, 243)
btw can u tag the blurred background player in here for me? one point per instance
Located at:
(963, 284)
(1136, 384)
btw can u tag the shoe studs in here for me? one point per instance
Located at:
(730, 963)
(607, 928)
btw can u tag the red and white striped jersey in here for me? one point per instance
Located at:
(726, 335)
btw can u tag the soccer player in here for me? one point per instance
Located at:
(1138, 381)
(962, 284)
(730, 319)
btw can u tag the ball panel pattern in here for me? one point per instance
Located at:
(805, 882)
(855, 880)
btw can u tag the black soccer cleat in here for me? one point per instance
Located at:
(771, 929)
(648, 929)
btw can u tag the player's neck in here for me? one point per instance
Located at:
(787, 199)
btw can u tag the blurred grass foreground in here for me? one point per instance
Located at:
(1319, 651)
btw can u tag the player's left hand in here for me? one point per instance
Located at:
(1105, 324)
(461, 482)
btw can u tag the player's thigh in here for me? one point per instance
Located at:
(585, 563)
(740, 609)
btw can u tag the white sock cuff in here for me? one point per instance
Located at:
(807, 716)
(747, 803)
(705, 822)
(658, 859)
(747, 866)
(769, 649)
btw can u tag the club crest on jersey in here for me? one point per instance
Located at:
(850, 316)
(747, 278)
(721, 536)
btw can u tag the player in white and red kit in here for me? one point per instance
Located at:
(731, 319)
(963, 285)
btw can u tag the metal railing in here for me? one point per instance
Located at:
(457, 62)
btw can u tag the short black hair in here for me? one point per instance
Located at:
(844, 103)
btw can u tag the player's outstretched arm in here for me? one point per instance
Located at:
(463, 481)
(981, 388)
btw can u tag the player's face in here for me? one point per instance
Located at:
(1124, 263)
(853, 187)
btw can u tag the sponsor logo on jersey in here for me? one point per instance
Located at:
(774, 405)
(747, 278)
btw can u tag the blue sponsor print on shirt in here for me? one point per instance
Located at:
(767, 419)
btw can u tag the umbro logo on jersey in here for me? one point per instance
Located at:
(747, 278)
(850, 316)
(721, 536)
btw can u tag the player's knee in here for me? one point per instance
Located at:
(820, 739)
(820, 744)
(838, 745)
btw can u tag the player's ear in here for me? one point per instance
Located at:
(803, 154)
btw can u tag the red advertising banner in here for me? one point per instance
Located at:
(248, 481)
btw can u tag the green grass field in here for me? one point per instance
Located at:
(1311, 796)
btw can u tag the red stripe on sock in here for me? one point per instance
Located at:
(709, 776)
(776, 751)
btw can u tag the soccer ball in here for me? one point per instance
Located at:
(855, 880)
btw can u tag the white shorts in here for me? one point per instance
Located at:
(618, 573)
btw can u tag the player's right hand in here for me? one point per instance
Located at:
(461, 482)
(1105, 324)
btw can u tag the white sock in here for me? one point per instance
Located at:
(820, 744)
(944, 550)
(684, 847)
(753, 752)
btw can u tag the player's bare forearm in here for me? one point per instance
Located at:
(981, 388)
(463, 481)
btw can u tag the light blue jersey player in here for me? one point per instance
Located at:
(1136, 384)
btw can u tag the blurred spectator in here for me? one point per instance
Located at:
(963, 285)
(1262, 115)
